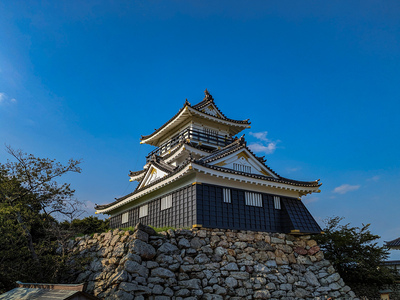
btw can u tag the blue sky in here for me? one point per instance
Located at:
(319, 81)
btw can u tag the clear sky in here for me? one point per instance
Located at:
(319, 80)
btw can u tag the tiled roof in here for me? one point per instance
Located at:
(143, 137)
(208, 99)
(268, 178)
(162, 165)
(136, 173)
(137, 190)
(197, 107)
(228, 149)
(394, 243)
(179, 146)
(231, 148)
(391, 262)
(30, 291)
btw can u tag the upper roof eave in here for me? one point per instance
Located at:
(137, 173)
(103, 208)
(393, 243)
(186, 111)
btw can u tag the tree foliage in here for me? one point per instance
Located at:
(86, 225)
(30, 197)
(355, 254)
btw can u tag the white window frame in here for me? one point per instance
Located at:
(253, 199)
(166, 202)
(277, 202)
(125, 218)
(226, 193)
(143, 211)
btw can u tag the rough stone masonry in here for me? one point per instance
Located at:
(204, 264)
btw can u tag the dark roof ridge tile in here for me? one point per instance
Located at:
(393, 243)
(135, 173)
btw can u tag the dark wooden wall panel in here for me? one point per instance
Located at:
(214, 213)
(181, 214)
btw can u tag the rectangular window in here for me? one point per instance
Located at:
(166, 202)
(242, 168)
(227, 195)
(277, 202)
(124, 218)
(143, 211)
(253, 199)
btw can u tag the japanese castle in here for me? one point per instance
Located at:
(202, 174)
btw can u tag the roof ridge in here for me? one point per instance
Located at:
(208, 99)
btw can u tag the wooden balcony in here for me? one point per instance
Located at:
(196, 138)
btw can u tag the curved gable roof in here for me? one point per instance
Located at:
(188, 110)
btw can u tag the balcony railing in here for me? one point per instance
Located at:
(193, 136)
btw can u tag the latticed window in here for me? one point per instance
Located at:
(253, 199)
(143, 211)
(124, 218)
(166, 202)
(227, 195)
(277, 202)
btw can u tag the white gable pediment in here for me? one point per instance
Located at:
(152, 174)
(212, 110)
(243, 161)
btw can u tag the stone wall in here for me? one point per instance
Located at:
(204, 264)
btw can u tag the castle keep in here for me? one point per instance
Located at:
(202, 174)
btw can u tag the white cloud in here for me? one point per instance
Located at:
(374, 178)
(265, 145)
(345, 188)
(291, 170)
(268, 149)
(260, 135)
(5, 99)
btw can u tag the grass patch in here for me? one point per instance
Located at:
(130, 228)
(160, 229)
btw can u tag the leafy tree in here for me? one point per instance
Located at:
(30, 197)
(356, 255)
(86, 225)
